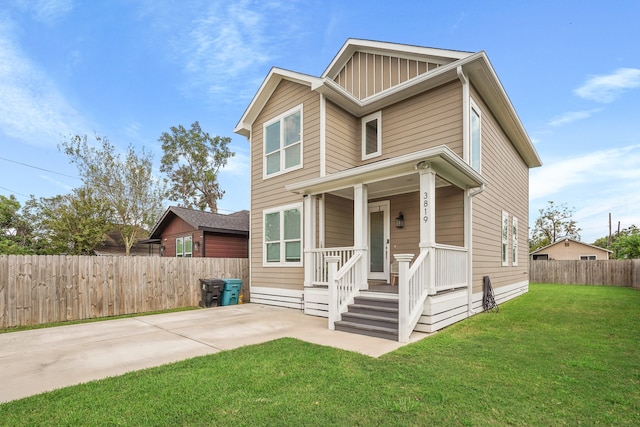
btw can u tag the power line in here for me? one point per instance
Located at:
(39, 168)
(13, 192)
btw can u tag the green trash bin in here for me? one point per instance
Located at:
(231, 291)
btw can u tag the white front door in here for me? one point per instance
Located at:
(378, 240)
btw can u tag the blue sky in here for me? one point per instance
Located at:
(131, 69)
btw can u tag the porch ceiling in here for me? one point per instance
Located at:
(396, 175)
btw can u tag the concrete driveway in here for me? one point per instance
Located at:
(42, 360)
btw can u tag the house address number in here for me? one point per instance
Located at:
(425, 204)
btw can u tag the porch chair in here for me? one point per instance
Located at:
(394, 273)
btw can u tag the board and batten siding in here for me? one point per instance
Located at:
(271, 193)
(507, 190)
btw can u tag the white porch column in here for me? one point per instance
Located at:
(360, 230)
(428, 221)
(309, 237)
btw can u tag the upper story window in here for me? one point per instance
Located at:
(283, 236)
(283, 143)
(184, 246)
(475, 143)
(372, 135)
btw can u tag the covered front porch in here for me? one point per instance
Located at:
(403, 222)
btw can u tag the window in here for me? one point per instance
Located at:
(587, 257)
(474, 149)
(283, 143)
(505, 238)
(372, 135)
(184, 246)
(283, 236)
(514, 241)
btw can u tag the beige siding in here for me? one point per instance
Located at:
(405, 240)
(450, 216)
(342, 139)
(339, 221)
(270, 193)
(508, 190)
(424, 121)
(570, 250)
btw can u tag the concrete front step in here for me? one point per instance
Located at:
(369, 330)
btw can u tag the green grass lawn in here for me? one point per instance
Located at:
(559, 355)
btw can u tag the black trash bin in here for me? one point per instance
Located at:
(211, 290)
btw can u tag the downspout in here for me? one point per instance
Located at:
(468, 211)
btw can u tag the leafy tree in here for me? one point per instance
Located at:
(192, 160)
(627, 247)
(75, 223)
(126, 183)
(625, 244)
(554, 223)
(15, 232)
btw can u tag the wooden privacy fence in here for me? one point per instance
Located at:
(604, 272)
(38, 289)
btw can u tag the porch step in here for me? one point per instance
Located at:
(375, 317)
(369, 330)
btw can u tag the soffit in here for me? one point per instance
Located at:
(392, 176)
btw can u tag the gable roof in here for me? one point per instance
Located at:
(235, 223)
(452, 65)
(570, 240)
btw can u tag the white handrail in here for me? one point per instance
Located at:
(342, 285)
(413, 290)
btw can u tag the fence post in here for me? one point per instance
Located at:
(403, 296)
(332, 262)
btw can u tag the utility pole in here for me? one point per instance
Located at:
(609, 242)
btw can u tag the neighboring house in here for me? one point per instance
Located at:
(113, 246)
(183, 232)
(569, 249)
(394, 152)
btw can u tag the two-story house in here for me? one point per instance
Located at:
(400, 165)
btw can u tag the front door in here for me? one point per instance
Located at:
(378, 252)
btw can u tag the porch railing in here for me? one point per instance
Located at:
(343, 284)
(319, 275)
(413, 284)
(450, 267)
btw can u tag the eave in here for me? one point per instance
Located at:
(441, 159)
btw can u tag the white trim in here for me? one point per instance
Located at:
(442, 159)
(323, 135)
(504, 239)
(377, 116)
(280, 118)
(288, 298)
(514, 241)
(282, 262)
(473, 108)
(385, 207)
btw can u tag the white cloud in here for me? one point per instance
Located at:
(31, 107)
(572, 116)
(46, 11)
(221, 45)
(237, 165)
(608, 87)
(594, 184)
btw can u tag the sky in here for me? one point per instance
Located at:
(129, 70)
